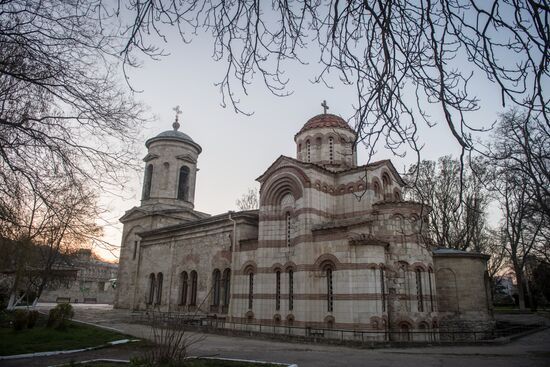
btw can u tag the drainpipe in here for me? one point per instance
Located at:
(233, 260)
(233, 236)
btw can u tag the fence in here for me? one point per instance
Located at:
(202, 323)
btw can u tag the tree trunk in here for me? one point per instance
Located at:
(520, 285)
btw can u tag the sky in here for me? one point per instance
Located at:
(238, 148)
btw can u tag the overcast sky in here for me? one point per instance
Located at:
(237, 148)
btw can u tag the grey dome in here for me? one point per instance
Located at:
(173, 135)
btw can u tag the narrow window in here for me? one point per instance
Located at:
(159, 288)
(330, 294)
(184, 287)
(376, 188)
(226, 286)
(308, 151)
(250, 290)
(397, 196)
(147, 182)
(331, 150)
(183, 183)
(193, 300)
(419, 293)
(165, 174)
(216, 288)
(290, 290)
(288, 227)
(135, 250)
(431, 293)
(383, 289)
(152, 283)
(278, 290)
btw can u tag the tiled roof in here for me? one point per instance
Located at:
(326, 120)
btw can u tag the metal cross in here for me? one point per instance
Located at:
(178, 112)
(325, 106)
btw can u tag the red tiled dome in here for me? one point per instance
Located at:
(325, 120)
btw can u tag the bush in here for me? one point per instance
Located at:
(59, 316)
(20, 320)
(32, 318)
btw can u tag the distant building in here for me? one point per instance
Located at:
(94, 282)
(333, 245)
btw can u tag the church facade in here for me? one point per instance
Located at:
(332, 245)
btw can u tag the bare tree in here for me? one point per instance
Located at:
(520, 155)
(520, 231)
(455, 220)
(47, 231)
(249, 201)
(521, 146)
(431, 50)
(63, 117)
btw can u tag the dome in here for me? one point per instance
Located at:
(325, 120)
(173, 135)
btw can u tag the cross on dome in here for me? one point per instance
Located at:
(176, 125)
(325, 107)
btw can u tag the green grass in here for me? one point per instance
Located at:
(42, 339)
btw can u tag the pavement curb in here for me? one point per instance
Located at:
(58, 352)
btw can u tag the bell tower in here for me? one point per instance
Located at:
(171, 168)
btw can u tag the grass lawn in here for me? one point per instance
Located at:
(42, 339)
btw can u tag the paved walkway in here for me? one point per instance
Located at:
(532, 350)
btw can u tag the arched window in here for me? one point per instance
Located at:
(331, 150)
(147, 182)
(278, 290)
(383, 288)
(216, 288)
(376, 189)
(183, 183)
(159, 288)
(288, 228)
(135, 250)
(330, 291)
(226, 286)
(308, 151)
(404, 331)
(290, 290)
(419, 291)
(165, 174)
(193, 300)
(152, 284)
(184, 287)
(430, 276)
(385, 180)
(250, 290)
(396, 196)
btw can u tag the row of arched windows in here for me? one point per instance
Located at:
(384, 191)
(290, 290)
(183, 182)
(221, 287)
(188, 288)
(328, 273)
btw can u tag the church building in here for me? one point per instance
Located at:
(333, 245)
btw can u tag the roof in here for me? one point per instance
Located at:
(247, 215)
(325, 120)
(452, 252)
(173, 135)
(318, 167)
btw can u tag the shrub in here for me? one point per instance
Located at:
(59, 316)
(20, 320)
(32, 318)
